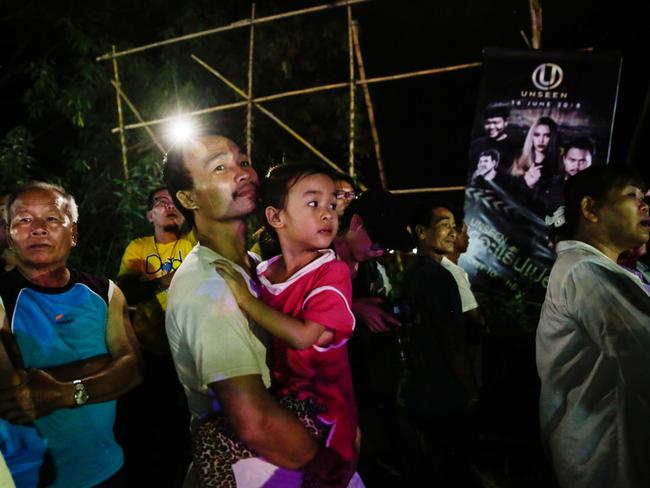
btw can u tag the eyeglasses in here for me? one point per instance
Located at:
(347, 195)
(162, 202)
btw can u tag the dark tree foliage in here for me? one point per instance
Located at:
(60, 106)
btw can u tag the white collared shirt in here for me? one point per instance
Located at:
(593, 359)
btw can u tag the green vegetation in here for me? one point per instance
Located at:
(63, 106)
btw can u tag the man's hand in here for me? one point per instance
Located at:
(37, 395)
(235, 281)
(369, 311)
(329, 468)
(164, 281)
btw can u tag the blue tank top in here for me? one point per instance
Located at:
(56, 326)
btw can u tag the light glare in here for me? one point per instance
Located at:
(181, 130)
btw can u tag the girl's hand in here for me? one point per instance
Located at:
(533, 175)
(235, 281)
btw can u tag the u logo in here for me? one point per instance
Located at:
(547, 76)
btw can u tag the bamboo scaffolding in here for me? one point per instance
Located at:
(249, 107)
(234, 25)
(269, 114)
(369, 106)
(304, 91)
(428, 190)
(120, 118)
(352, 90)
(136, 112)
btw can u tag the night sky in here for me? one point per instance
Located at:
(424, 123)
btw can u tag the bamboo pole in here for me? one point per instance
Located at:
(369, 107)
(428, 190)
(120, 118)
(315, 89)
(352, 90)
(536, 23)
(203, 111)
(249, 107)
(268, 113)
(234, 25)
(303, 91)
(411, 74)
(136, 112)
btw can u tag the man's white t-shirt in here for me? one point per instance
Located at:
(209, 336)
(467, 299)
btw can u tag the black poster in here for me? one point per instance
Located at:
(541, 117)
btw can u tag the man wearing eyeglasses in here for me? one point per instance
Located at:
(346, 193)
(148, 265)
(155, 446)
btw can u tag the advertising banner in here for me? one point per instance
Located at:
(541, 117)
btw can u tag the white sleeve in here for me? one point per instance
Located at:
(615, 312)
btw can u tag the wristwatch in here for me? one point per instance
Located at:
(80, 395)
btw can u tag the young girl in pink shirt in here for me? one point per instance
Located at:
(304, 301)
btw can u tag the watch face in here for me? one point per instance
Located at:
(80, 395)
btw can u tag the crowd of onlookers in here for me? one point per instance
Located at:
(298, 358)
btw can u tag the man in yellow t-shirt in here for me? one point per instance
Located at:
(148, 265)
(156, 448)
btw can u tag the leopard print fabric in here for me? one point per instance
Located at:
(215, 448)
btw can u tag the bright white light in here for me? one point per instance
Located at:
(180, 130)
(415, 250)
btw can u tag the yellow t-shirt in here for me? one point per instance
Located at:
(151, 259)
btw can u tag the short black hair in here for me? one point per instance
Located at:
(594, 182)
(382, 215)
(502, 111)
(348, 179)
(152, 194)
(176, 175)
(583, 143)
(423, 214)
(491, 153)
